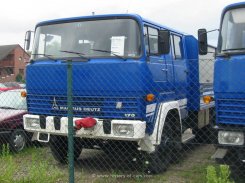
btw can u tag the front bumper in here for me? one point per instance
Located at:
(34, 123)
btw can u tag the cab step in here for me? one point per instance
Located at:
(187, 136)
(219, 154)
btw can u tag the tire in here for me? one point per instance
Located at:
(17, 140)
(122, 152)
(168, 150)
(59, 149)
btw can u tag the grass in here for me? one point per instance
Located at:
(197, 173)
(36, 165)
(219, 175)
(27, 167)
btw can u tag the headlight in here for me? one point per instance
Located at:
(231, 138)
(32, 123)
(123, 130)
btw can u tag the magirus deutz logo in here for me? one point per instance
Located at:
(55, 106)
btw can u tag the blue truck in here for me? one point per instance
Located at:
(135, 87)
(229, 83)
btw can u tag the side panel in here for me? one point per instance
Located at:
(193, 93)
(206, 67)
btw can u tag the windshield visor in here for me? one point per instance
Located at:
(232, 36)
(116, 36)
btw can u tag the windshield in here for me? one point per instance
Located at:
(113, 36)
(12, 100)
(232, 36)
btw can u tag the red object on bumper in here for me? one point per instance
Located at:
(85, 123)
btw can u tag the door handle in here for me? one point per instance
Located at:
(165, 70)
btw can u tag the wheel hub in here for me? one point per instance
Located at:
(19, 142)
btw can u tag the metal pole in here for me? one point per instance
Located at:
(70, 122)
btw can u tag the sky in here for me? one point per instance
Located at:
(188, 16)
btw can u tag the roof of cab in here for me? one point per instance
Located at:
(136, 16)
(234, 5)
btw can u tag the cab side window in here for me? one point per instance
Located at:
(177, 47)
(151, 40)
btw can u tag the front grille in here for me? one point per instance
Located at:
(231, 111)
(84, 106)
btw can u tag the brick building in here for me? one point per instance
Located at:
(13, 60)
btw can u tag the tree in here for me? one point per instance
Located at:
(19, 78)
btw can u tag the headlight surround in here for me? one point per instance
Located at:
(123, 130)
(231, 138)
(32, 123)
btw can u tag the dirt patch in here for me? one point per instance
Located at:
(96, 166)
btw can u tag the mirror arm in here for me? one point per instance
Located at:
(213, 30)
(210, 31)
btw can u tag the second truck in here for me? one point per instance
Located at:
(229, 83)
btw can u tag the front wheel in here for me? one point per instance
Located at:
(17, 140)
(167, 151)
(59, 148)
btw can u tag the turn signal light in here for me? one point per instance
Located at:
(23, 94)
(207, 99)
(150, 97)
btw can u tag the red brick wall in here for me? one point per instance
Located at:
(8, 79)
(18, 63)
(5, 62)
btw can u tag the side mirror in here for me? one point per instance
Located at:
(202, 41)
(27, 40)
(164, 42)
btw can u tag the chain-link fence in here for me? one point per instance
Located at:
(130, 121)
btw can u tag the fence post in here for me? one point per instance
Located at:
(70, 122)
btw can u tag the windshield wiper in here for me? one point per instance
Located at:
(76, 53)
(7, 107)
(108, 51)
(47, 56)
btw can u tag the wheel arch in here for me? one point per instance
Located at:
(166, 111)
